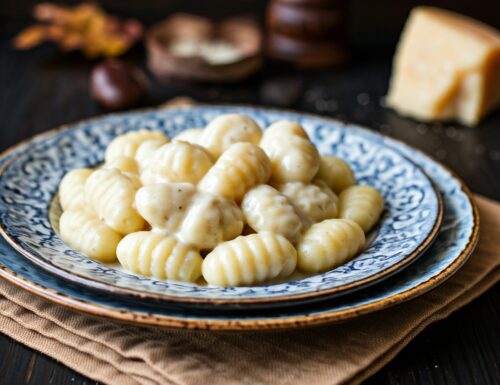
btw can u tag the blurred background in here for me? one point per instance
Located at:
(372, 21)
(43, 87)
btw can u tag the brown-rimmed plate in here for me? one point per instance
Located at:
(29, 181)
(454, 244)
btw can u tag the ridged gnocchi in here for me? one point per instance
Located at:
(241, 167)
(294, 158)
(125, 164)
(361, 204)
(159, 206)
(160, 256)
(336, 173)
(249, 260)
(82, 230)
(329, 244)
(146, 151)
(225, 130)
(267, 210)
(210, 220)
(134, 178)
(191, 135)
(111, 194)
(72, 189)
(177, 162)
(285, 127)
(313, 201)
(198, 218)
(127, 144)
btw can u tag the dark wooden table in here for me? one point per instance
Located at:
(42, 89)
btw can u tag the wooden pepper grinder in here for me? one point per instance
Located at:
(308, 33)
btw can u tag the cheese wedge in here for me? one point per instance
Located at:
(447, 67)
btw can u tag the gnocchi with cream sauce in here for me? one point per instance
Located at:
(231, 204)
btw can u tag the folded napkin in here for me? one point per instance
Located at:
(117, 353)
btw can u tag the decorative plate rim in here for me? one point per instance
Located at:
(227, 302)
(254, 325)
(328, 317)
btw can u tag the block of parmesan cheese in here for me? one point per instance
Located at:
(447, 67)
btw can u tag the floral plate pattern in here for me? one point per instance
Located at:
(457, 238)
(30, 180)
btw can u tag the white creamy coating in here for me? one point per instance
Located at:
(267, 210)
(195, 217)
(210, 220)
(314, 202)
(164, 205)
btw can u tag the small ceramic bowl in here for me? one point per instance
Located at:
(184, 47)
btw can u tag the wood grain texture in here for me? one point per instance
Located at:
(42, 89)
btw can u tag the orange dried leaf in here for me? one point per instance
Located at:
(85, 27)
(31, 37)
(56, 32)
(52, 13)
(71, 41)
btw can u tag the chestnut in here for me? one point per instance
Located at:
(117, 85)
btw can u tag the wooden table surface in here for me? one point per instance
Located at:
(42, 89)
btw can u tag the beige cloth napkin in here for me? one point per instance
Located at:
(119, 353)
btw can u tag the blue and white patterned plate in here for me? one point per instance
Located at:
(456, 240)
(29, 182)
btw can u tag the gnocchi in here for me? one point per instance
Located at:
(336, 173)
(225, 130)
(72, 188)
(258, 205)
(293, 157)
(82, 230)
(314, 202)
(267, 210)
(328, 244)
(285, 128)
(125, 164)
(146, 151)
(241, 167)
(127, 144)
(111, 194)
(211, 220)
(160, 256)
(177, 162)
(197, 218)
(164, 205)
(361, 204)
(191, 135)
(249, 259)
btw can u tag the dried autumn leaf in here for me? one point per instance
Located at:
(52, 13)
(84, 27)
(31, 37)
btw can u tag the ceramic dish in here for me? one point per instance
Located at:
(456, 240)
(29, 182)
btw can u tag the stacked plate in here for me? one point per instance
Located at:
(428, 230)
